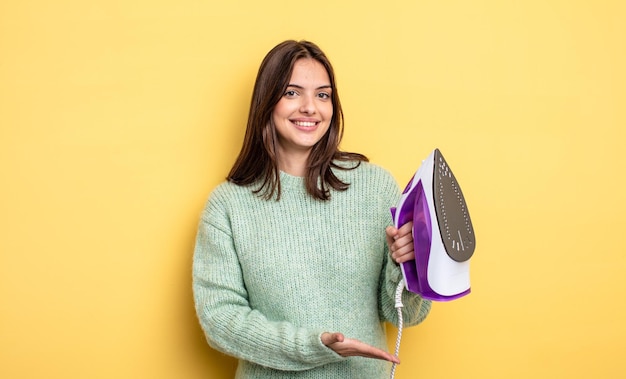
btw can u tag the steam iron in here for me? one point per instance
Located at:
(443, 235)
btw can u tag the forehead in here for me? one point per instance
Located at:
(309, 71)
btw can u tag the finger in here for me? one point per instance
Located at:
(339, 337)
(403, 243)
(404, 235)
(391, 232)
(368, 351)
(331, 338)
(406, 228)
(403, 254)
(383, 355)
(403, 258)
(352, 347)
(404, 231)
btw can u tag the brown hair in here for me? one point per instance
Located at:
(257, 158)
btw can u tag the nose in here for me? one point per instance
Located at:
(307, 106)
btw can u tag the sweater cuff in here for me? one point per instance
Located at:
(324, 354)
(394, 272)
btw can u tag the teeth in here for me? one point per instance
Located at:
(304, 123)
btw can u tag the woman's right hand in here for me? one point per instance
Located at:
(348, 347)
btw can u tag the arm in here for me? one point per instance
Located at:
(229, 322)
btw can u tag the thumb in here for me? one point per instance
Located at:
(331, 338)
(391, 231)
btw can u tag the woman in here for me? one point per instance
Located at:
(296, 261)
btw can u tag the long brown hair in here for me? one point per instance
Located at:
(257, 159)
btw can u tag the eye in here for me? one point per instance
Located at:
(290, 93)
(323, 95)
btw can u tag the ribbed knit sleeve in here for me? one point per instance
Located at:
(222, 305)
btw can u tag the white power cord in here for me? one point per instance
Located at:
(399, 307)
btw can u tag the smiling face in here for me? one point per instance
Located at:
(303, 115)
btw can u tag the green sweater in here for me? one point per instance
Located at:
(270, 276)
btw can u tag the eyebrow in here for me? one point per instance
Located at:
(300, 87)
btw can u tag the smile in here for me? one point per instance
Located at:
(305, 124)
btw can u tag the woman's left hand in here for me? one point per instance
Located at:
(400, 242)
(347, 347)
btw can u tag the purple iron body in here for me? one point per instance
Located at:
(443, 235)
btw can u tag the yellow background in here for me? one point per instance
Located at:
(117, 118)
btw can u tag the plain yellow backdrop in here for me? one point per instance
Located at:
(117, 118)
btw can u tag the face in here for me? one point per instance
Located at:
(302, 116)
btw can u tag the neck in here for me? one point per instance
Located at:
(293, 164)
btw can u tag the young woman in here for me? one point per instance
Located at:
(296, 262)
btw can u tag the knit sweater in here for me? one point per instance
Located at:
(269, 277)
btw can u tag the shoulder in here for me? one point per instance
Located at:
(223, 191)
(366, 172)
(377, 171)
(228, 195)
(369, 181)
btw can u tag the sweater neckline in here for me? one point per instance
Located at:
(291, 181)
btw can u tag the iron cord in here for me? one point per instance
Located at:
(399, 306)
